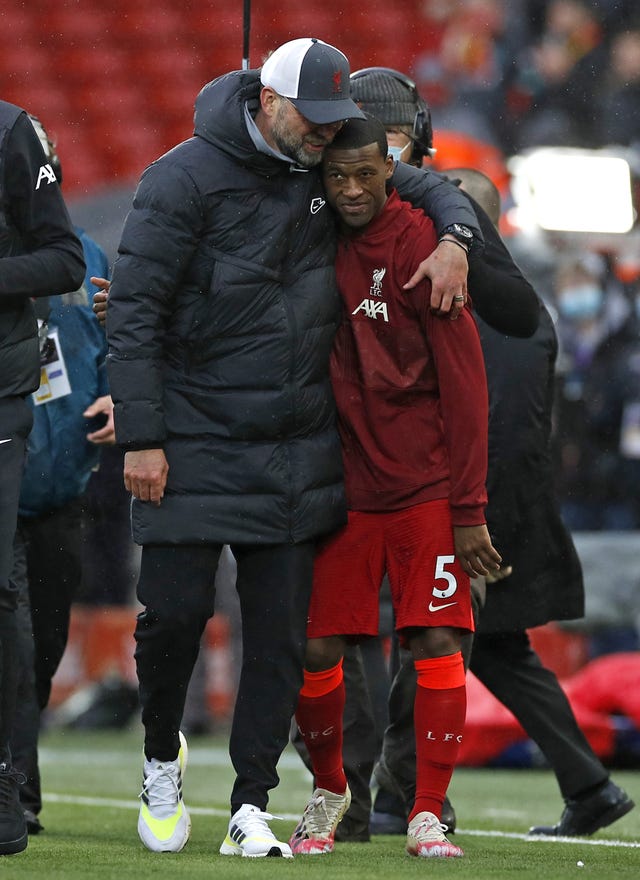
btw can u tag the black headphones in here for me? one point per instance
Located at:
(422, 134)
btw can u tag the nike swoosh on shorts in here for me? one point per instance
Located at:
(433, 607)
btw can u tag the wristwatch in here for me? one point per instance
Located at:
(461, 233)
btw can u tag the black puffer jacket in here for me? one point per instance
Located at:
(222, 313)
(39, 251)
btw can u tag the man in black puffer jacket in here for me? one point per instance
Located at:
(39, 256)
(222, 313)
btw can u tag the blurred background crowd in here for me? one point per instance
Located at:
(115, 85)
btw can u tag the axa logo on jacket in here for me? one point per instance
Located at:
(45, 174)
(372, 308)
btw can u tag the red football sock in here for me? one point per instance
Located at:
(439, 713)
(319, 720)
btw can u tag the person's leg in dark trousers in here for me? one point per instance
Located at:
(274, 586)
(508, 666)
(397, 765)
(54, 567)
(16, 420)
(177, 590)
(26, 720)
(47, 570)
(362, 738)
(377, 682)
(15, 423)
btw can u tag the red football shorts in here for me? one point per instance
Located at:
(414, 547)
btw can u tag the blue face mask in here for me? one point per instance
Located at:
(396, 152)
(580, 302)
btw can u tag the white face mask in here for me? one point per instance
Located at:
(396, 152)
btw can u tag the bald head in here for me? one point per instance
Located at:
(481, 188)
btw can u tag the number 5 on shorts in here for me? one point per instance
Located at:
(441, 574)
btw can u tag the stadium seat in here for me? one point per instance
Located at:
(156, 65)
(221, 59)
(18, 26)
(174, 102)
(130, 148)
(67, 26)
(151, 25)
(44, 99)
(80, 65)
(23, 64)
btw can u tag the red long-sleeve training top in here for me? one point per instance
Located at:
(410, 386)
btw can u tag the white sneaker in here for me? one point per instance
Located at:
(164, 824)
(249, 835)
(425, 837)
(316, 829)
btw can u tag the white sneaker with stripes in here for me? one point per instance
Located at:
(164, 824)
(250, 836)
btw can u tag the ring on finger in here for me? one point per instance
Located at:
(459, 298)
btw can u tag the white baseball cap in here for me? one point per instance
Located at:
(314, 76)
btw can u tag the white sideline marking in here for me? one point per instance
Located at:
(530, 838)
(128, 805)
(293, 817)
(213, 757)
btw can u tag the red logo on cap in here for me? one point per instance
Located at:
(337, 81)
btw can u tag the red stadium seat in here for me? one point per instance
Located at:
(80, 65)
(174, 102)
(68, 26)
(22, 63)
(17, 26)
(44, 99)
(131, 147)
(151, 24)
(157, 65)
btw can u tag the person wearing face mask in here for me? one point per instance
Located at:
(598, 398)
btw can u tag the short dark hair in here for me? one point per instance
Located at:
(356, 133)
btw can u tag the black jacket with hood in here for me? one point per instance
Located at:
(40, 254)
(222, 313)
